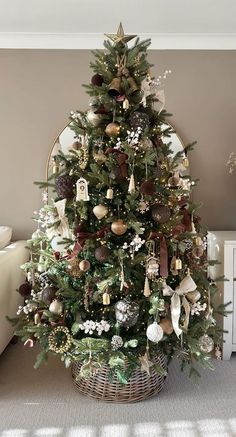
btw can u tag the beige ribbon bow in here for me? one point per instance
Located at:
(63, 228)
(187, 285)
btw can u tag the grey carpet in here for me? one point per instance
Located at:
(44, 403)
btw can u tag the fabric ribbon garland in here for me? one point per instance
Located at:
(121, 159)
(163, 252)
(178, 298)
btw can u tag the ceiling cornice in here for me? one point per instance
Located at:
(83, 41)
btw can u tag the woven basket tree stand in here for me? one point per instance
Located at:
(140, 386)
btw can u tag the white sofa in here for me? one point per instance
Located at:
(11, 277)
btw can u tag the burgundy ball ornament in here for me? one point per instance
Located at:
(148, 188)
(97, 80)
(139, 119)
(102, 254)
(25, 289)
(160, 213)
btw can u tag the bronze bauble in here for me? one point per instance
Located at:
(102, 253)
(166, 325)
(84, 265)
(119, 227)
(148, 188)
(112, 129)
(160, 213)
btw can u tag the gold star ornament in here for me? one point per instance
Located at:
(120, 36)
(146, 364)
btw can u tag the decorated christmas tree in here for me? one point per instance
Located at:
(118, 268)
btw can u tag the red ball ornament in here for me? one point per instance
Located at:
(97, 80)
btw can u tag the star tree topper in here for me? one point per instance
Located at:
(120, 36)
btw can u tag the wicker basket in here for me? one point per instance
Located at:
(141, 386)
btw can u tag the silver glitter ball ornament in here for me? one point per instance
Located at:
(127, 312)
(206, 344)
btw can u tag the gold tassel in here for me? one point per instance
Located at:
(131, 188)
(147, 290)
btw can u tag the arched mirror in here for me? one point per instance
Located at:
(67, 137)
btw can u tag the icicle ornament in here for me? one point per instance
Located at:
(131, 188)
(147, 290)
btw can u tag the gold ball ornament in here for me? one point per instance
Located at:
(112, 129)
(84, 265)
(100, 157)
(100, 211)
(94, 119)
(193, 296)
(119, 227)
(166, 325)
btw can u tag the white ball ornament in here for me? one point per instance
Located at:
(56, 307)
(94, 119)
(154, 332)
(57, 244)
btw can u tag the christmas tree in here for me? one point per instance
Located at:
(118, 267)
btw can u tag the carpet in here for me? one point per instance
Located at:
(44, 403)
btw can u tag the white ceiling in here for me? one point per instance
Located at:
(71, 24)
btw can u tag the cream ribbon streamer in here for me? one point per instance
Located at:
(178, 298)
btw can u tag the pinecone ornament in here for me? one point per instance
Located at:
(65, 186)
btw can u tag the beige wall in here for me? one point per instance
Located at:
(38, 88)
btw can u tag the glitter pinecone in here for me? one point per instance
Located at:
(116, 342)
(65, 186)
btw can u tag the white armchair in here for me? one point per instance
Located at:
(11, 277)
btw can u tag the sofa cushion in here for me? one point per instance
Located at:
(5, 236)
